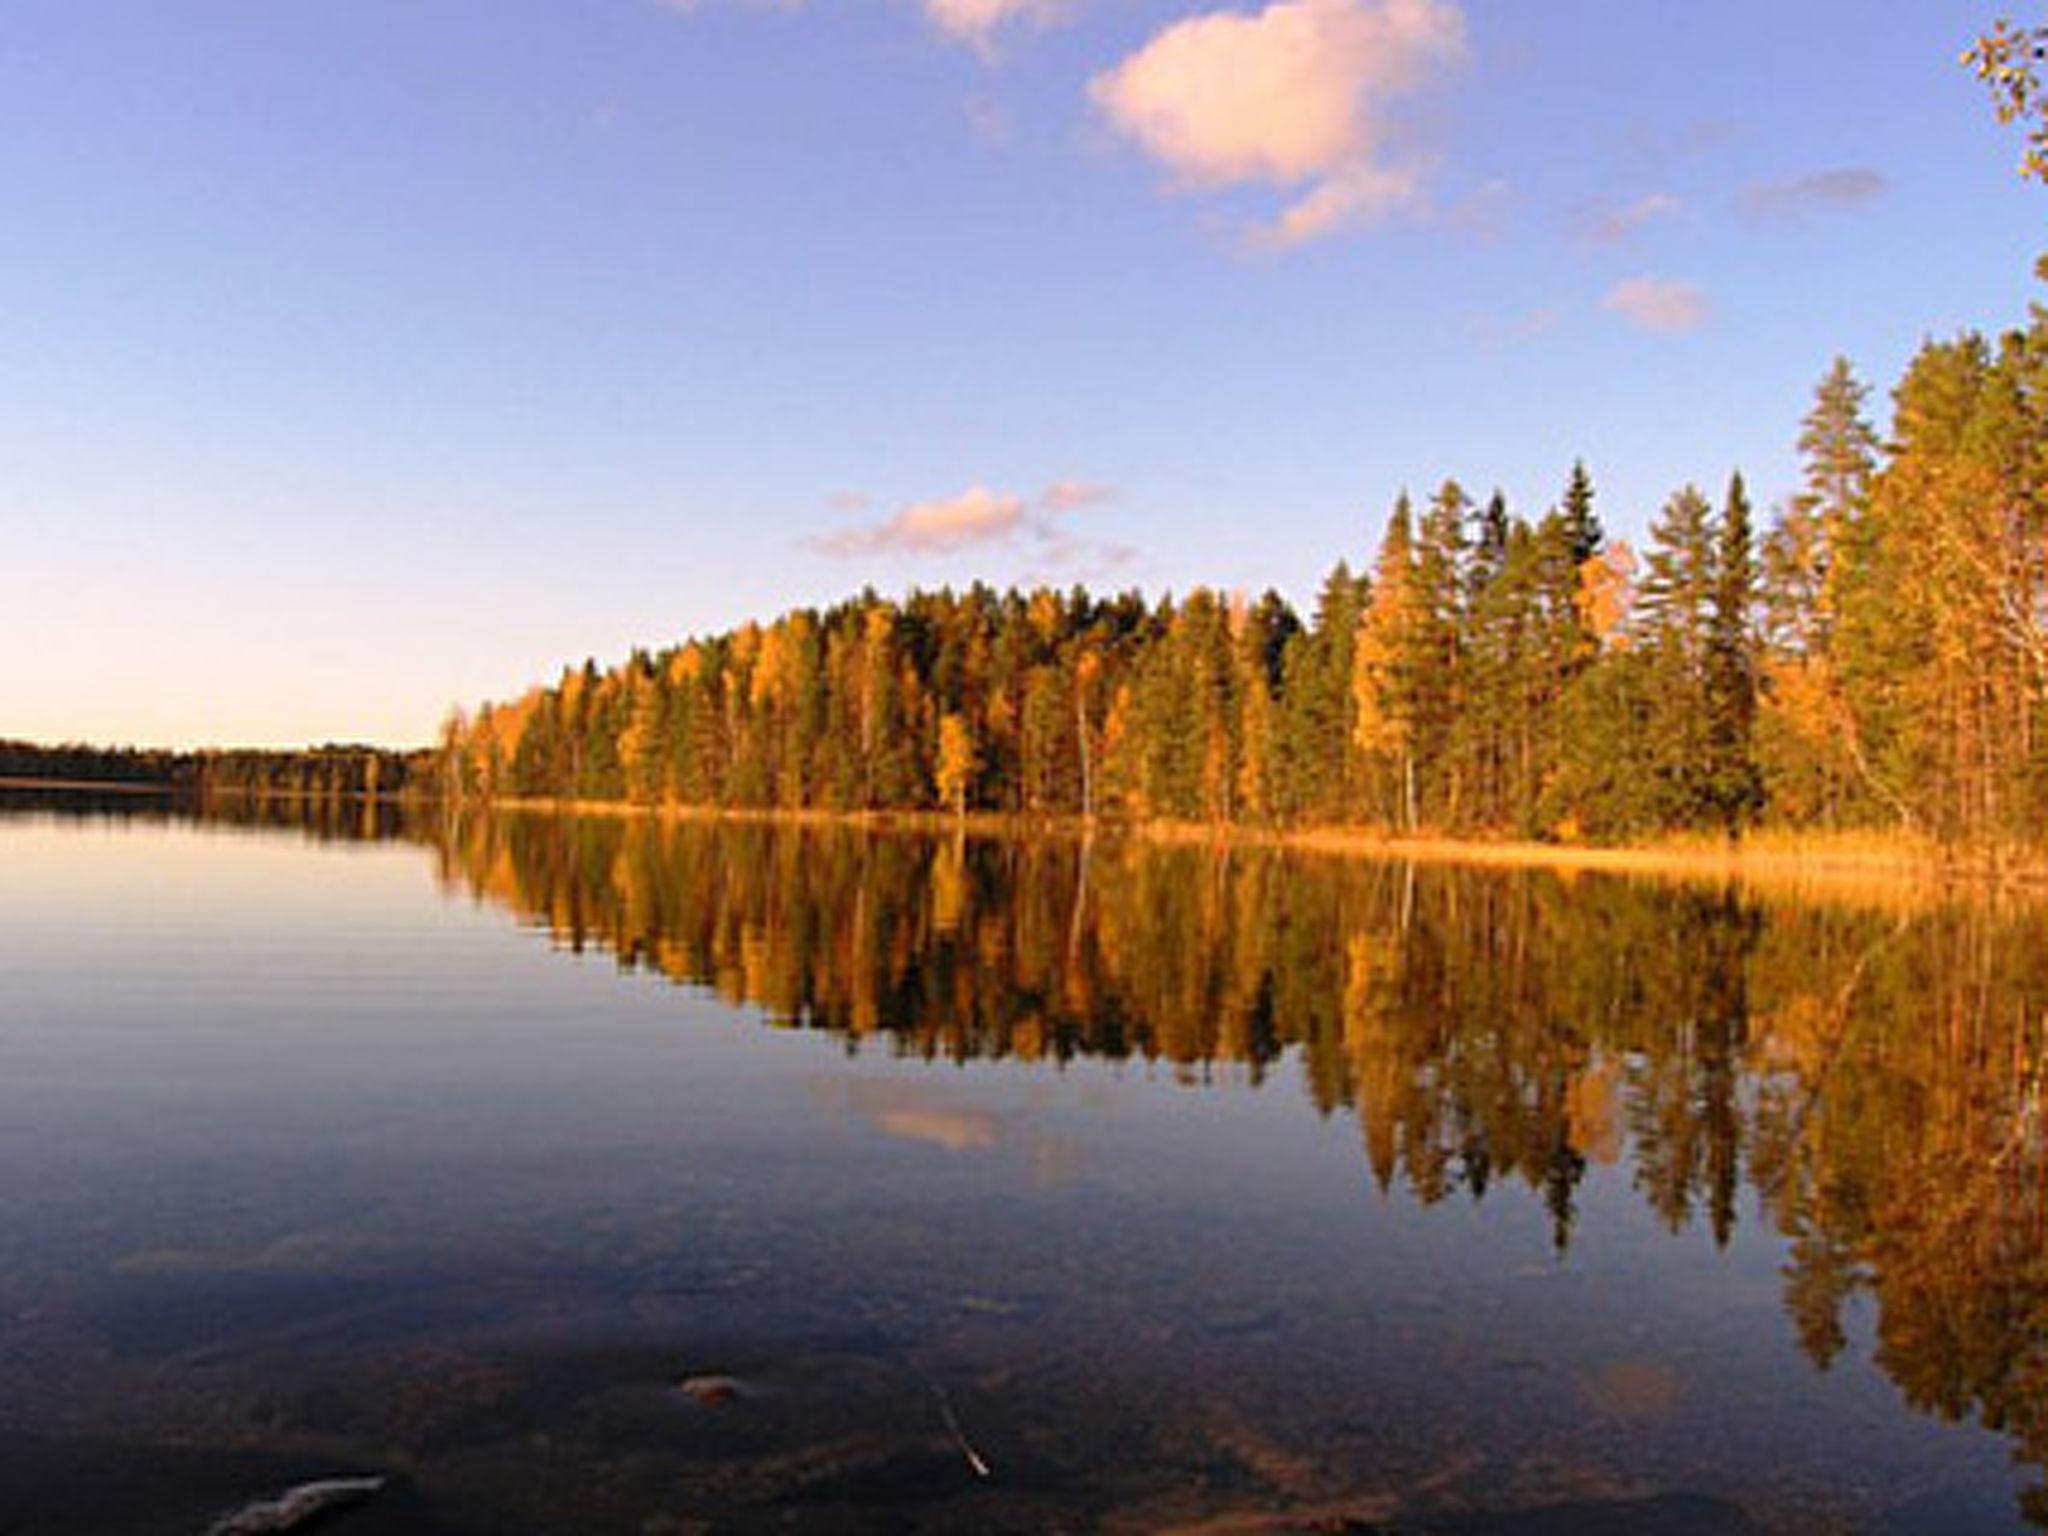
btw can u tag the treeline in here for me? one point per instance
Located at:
(74, 763)
(318, 772)
(323, 772)
(1875, 657)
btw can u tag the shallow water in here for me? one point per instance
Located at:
(1176, 1188)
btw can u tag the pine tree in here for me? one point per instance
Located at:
(1581, 522)
(1808, 740)
(1317, 714)
(1437, 668)
(1729, 780)
(1839, 449)
(1489, 641)
(1676, 602)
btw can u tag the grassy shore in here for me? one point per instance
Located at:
(1879, 865)
(1892, 863)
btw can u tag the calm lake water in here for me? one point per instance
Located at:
(1180, 1189)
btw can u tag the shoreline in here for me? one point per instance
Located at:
(1768, 858)
(91, 786)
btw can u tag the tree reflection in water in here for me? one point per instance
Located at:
(1866, 1070)
(1871, 1068)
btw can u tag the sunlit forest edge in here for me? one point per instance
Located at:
(1862, 682)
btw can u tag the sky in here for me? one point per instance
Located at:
(363, 358)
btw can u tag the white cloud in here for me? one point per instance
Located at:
(977, 516)
(1295, 96)
(1658, 304)
(974, 22)
(1611, 226)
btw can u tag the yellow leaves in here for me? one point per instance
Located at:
(881, 626)
(1799, 691)
(957, 763)
(745, 646)
(783, 662)
(1606, 593)
(510, 721)
(776, 673)
(2007, 60)
(1046, 615)
(687, 665)
(1381, 725)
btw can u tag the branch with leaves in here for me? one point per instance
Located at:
(2009, 60)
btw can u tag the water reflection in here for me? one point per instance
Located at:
(1872, 1071)
(1862, 1079)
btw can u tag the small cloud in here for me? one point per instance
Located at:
(1611, 226)
(975, 516)
(975, 22)
(1820, 192)
(850, 501)
(1296, 96)
(1072, 495)
(980, 516)
(1658, 304)
(1498, 333)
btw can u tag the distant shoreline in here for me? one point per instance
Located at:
(94, 786)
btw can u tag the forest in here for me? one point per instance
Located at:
(1874, 656)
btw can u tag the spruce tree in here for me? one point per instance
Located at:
(1436, 666)
(1677, 597)
(1580, 520)
(1729, 780)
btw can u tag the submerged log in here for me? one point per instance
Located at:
(296, 1506)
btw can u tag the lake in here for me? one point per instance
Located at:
(620, 1176)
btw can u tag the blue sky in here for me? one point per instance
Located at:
(363, 357)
